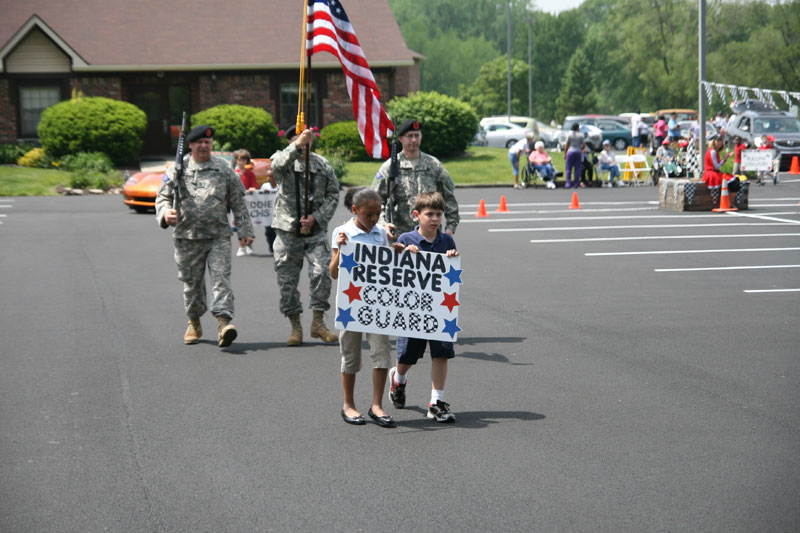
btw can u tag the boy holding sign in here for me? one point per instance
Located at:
(366, 207)
(428, 210)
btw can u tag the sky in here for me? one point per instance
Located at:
(556, 6)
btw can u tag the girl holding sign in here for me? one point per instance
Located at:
(365, 205)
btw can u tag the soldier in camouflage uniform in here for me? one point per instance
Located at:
(291, 245)
(202, 233)
(418, 172)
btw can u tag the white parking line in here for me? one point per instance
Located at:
(606, 217)
(555, 204)
(706, 269)
(765, 216)
(655, 237)
(541, 212)
(669, 252)
(770, 290)
(639, 226)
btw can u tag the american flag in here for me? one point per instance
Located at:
(329, 30)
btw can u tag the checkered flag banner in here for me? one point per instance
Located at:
(742, 93)
(721, 92)
(785, 97)
(770, 99)
(732, 90)
(759, 95)
(709, 91)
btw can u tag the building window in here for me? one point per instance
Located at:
(32, 101)
(289, 94)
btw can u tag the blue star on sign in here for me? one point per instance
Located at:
(344, 316)
(451, 327)
(348, 262)
(454, 276)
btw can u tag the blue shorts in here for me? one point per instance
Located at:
(411, 350)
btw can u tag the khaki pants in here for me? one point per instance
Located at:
(350, 348)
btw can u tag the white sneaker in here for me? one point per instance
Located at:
(241, 252)
(248, 250)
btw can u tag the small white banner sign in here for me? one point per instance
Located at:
(757, 160)
(260, 205)
(403, 294)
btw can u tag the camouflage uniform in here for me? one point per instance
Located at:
(428, 175)
(288, 167)
(203, 233)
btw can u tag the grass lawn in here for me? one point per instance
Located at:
(478, 166)
(24, 181)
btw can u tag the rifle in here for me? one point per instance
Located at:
(393, 171)
(176, 193)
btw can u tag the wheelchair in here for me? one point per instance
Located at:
(530, 177)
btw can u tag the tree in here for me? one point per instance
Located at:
(489, 93)
(577, 92)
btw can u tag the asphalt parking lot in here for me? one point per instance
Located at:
(621, 367)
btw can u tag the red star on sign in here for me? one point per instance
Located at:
(450, 301)
(353, 292)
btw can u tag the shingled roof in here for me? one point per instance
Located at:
(120, 35)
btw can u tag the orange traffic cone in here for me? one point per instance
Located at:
(575, 204)
(724, 200)
(503, 207)
(795, 169)
(482, 210)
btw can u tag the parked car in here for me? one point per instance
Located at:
(592, 134)
(683, 114)
(140, 190)
(686, 129)
(613, 129)
(548, 134)
(500, 134)
(527, 123)
(753, 121)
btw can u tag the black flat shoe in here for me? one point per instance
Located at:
(355, 420)
(383, 421)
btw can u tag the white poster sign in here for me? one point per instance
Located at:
(260, 205)
(757, 160)
(403, 294)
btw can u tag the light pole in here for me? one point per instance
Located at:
(529, 20)
(508, 55)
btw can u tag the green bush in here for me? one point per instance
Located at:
(344, 139)
(448, 124)
(10, 153)
(338, 161)
(95, 179)
(241, 126)
(84, 161)
(93, 124)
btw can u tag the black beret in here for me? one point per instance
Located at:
(409, 125)
(199, 132)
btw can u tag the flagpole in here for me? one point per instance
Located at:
(301, 86)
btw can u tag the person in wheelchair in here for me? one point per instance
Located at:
(539, 162)
(666, 161)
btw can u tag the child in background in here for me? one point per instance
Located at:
(365, 204)
(244, 171)
(428, 209)
(768, 144)
(738, 146)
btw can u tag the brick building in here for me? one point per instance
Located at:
(183, 55)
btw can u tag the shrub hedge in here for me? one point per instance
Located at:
(93, 124)
(448, 124)
(239, 126)
(343, 139)
(10, 153)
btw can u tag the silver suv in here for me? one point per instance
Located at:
(754, 121)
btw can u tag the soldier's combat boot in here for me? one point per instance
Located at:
(319, 330)
(193, 332)
(226, 332)
(296, 336)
